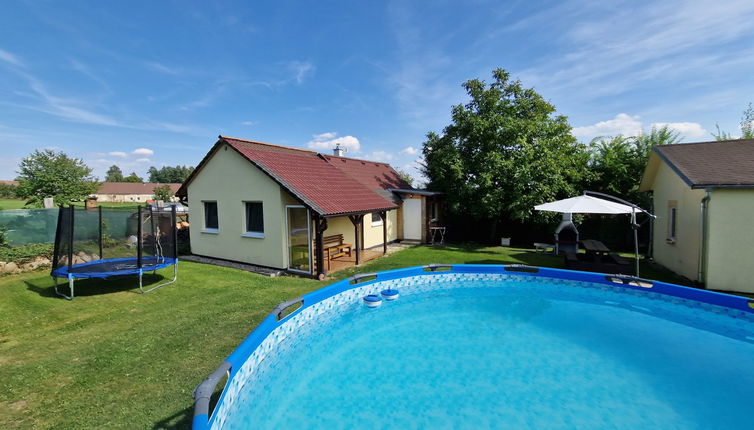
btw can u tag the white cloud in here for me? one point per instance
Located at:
(248, 123)
(301, 69)
(158, 67)
(10, 58)
(409, 150)
(119, 154)
(143, 160)
(628, 125)
(379, 156)
(327, 141)
(687, 129)
(624, 124)
(323, 136)
(143, 151)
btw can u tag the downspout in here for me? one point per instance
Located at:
(703, 214)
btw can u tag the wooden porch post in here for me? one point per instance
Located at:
(383, 215)
(320, 225)
(357, 220)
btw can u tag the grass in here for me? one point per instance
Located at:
(12, 204)
(20, 204)
(113, 358)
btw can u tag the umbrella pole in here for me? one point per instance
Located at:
(635, 227)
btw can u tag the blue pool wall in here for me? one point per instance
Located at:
(240, 355)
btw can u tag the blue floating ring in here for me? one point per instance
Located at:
(390, 294)
(372, 300)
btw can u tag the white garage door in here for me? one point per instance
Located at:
(412, 219)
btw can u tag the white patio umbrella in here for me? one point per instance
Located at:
(586, 204)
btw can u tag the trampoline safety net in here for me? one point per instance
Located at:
(107, 242)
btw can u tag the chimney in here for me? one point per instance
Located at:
(338, 151)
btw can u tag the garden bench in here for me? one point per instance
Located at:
(334, 247)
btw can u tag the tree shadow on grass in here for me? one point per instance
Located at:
(45, 287)
(184, 418)
(179, 420)
(528, 258)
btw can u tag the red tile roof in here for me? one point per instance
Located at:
(377, 176)
(133, 188)
(308, 176)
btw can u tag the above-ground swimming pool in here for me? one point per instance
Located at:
(493, 347)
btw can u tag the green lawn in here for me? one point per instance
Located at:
(12, 204)
(113, 358)
(19, 204)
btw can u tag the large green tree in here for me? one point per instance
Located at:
(617, 163)
(133, 177)
(114, 174)
(504, 152)
(169, 174)
(54, 174)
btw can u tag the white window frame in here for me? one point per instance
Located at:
(309, 239)
(376, 223)
(672, 236)
(205, 229)
(252, 234)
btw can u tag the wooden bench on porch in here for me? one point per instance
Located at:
(334, 247)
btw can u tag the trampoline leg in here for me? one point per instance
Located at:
(70, 287)
(175, 277)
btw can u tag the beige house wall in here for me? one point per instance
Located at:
(730, 265)
(372, 233)
(682, 256)
(123, 198)
(231, 180)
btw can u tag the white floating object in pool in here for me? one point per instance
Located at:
(372, 300)
(390, 294)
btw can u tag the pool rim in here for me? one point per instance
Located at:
(204, 418)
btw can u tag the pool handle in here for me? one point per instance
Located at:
(204, 391)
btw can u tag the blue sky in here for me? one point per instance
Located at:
(153, 83)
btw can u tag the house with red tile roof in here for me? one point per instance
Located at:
(703, 196)
(129, 192)
(297, 209)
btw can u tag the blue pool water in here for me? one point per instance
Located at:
(508, 354)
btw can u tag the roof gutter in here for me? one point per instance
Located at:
(703, 225)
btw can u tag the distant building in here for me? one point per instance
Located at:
(13, 183)
(129, 192)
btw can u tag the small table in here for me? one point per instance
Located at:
(434, 231)
(595, 248)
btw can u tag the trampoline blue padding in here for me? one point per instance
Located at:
(113, 267)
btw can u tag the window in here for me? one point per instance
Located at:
(672, 222)
(254, 219)
(376, 219)
(210, 218)
(435, 211)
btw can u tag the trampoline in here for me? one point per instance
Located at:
(114, 242)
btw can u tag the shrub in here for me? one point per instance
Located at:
(25, 253)
(8, 191)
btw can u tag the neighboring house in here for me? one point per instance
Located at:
(128, 192)
(274, 206)
(703, 196)
(11, 183)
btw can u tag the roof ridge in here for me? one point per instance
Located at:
(267, 144)
(707, 142)
(355, 159)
